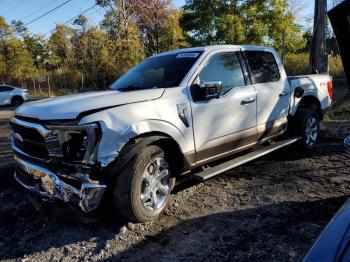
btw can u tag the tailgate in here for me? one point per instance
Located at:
(340, 20)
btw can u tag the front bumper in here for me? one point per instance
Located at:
(48, 186)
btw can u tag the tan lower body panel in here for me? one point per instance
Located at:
(272, 128)
(224, 146)
(235, 143)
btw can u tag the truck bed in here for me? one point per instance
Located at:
(321, 83)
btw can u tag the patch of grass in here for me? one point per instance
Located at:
(297, 64)
(336, 67)
(341, 112)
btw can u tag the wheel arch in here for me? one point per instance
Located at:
(313, 103)
(171, 149)
(16, 96)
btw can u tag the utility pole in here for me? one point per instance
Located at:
(318, 54)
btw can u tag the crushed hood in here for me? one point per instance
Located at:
(73, 106)
(340, 20)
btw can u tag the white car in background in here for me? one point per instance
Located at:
(10, 95)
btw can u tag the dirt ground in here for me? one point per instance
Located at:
(271, 209)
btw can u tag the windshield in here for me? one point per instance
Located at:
(157, 72)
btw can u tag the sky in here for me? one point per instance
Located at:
(28, 10)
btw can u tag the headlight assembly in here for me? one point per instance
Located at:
(78, 143)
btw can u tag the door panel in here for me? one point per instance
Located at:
(224, 125)
(272, 109)
(272, 128)
(273, 93)
(271, 104)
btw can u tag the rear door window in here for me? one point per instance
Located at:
(263, 66)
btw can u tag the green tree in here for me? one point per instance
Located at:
(156, 23)
(91, 56)
(5, 31)
(38, 49)
(242, 22)
(123, 36)
(172, 35)
(200, 20)
(16, 63)
(281, 20)
(60, 47)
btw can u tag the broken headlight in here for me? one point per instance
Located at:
(78, 143)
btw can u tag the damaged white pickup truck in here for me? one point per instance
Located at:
(197, 111)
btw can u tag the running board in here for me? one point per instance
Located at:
(216, 170)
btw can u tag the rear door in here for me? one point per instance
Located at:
(227, 124)
(273, 93)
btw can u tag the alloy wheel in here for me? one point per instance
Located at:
(311, 131)
(156, 185)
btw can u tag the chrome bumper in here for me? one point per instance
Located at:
(49, 187)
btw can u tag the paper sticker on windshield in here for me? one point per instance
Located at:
(187, 55)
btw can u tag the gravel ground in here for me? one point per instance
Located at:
(271, 209)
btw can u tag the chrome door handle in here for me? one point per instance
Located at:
(284, 94)
(247, 101)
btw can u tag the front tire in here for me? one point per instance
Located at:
(142, 189)
(306, 125)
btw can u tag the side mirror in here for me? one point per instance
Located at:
(211, 89)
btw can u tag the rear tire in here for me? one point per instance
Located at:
(142, 189)
(305, 124)
(17, 101)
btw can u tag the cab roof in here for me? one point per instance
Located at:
(210, 48)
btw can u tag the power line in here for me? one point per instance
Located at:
(74, 17)
(48, 12)
(82, 13)
(37, 11)
(14, 7)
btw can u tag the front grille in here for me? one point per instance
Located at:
(31, 142)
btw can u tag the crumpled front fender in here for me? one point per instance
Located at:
(116, 133)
